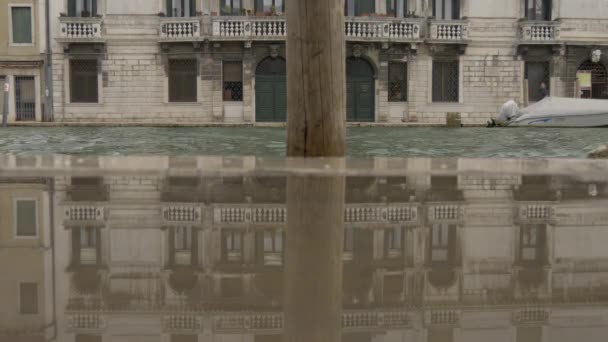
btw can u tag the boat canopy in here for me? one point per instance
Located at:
(564, 106)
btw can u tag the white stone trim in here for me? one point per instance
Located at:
(10, 24)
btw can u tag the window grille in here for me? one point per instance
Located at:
(25, 98)
(445, 81)
(83, 81)
(397, 82)
(182, 80)
(233, 81)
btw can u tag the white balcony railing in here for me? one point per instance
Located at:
(449, 30)
(80, 29)
(534, 31)
(180, 29)
(382, 30)
(249, 28)
(85, 213)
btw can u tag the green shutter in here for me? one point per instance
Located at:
(22, 25)
(71, 8)
(259, 6)
(93, 8)
(192, 8)
(169, 8)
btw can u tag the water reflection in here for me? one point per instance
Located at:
(198, 249)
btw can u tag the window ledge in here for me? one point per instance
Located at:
(21, 44)
(182, 104)
(84, 104)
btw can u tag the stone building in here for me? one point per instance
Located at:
(22, 37)
(212, 61)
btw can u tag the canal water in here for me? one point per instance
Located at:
(362, 142)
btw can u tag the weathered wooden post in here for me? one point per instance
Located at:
(315, 204)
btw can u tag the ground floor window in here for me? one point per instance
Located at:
(397, 82)
(593, 80)
(25, 98)
(28, 298)
(182, 80)
(446, 81)
(537, 74)
(233, 81)
(83, 81)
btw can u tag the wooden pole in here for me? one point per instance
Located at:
(316, 106)
(316, 82)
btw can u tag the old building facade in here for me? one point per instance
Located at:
(22, 37)
(212, 61)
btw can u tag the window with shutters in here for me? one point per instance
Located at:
(21, 25)
(445, 81)
(268, 6)
(446, 9)
(397, 82)
(181, 8)
(82, 8)
(231, 7)
(233, 81)
(26, 218)
(538, 9)
(84, 86)
(28, 298)
(182, 80)
(396, 8)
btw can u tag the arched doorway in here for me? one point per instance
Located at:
(271, 90)
(599, 80)
(359, 90)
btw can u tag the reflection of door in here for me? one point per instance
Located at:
(359, 90)
(271, 91)
(536, 73)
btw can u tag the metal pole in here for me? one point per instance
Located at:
(5, 88)
(48, 82)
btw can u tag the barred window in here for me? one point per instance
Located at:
(233, 81)
(445, 81)
(182, 80)
(25, 98)
(397, 82)
(83, 81)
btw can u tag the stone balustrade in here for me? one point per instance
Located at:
(381, 213)
(531, 315)
(364, 29)
(445, 212)
(86, 321)
(84, 213)
(442, 317)
(246, 215)
(182, 213)
(539, 31)
(181, 323)
(180, 29)
(536, 212)
(249, 28)
(80, 29)
(449, 30)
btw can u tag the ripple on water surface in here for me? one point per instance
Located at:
(362, 142)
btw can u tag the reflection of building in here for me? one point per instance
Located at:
(26, 288)
(432, 252)
(407, 60)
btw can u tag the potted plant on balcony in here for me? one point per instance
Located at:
(273, 10)
(162, 14)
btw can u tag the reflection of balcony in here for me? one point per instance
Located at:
(448, 31)
(535, 213)
(174, 29)
(382, 29)
(86, 321)
(391, 213)
(445, 213)
(249, 28)
(80, 30)
(539, 32)
(88, 193)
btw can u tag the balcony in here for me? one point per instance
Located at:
(81, 30)
(448, 31)
(539, 32)
(249, 28)
(176, 29)
(382, 29)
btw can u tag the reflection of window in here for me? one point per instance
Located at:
(397, 82)
(26, 219)
(233, 81)
(396, 8)
(83, 81)
(393, 240)
(349, 243)
(445, 81)
(440, 242)
(231, 7)
(538, 9)
(28, 298)
(182, 80)
(21, 20)
(82, 8)
(266, 6)
(181, 8)
(183, 238)
(531, 242)
(272, 246)
(446, 9)
(233, 245)
(88, 237)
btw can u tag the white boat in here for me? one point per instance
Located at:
(562, 112)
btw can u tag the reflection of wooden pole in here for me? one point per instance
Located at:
(316, 109)
(316, 83)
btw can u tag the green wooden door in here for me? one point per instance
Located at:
(360, 91)
(271, 91)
